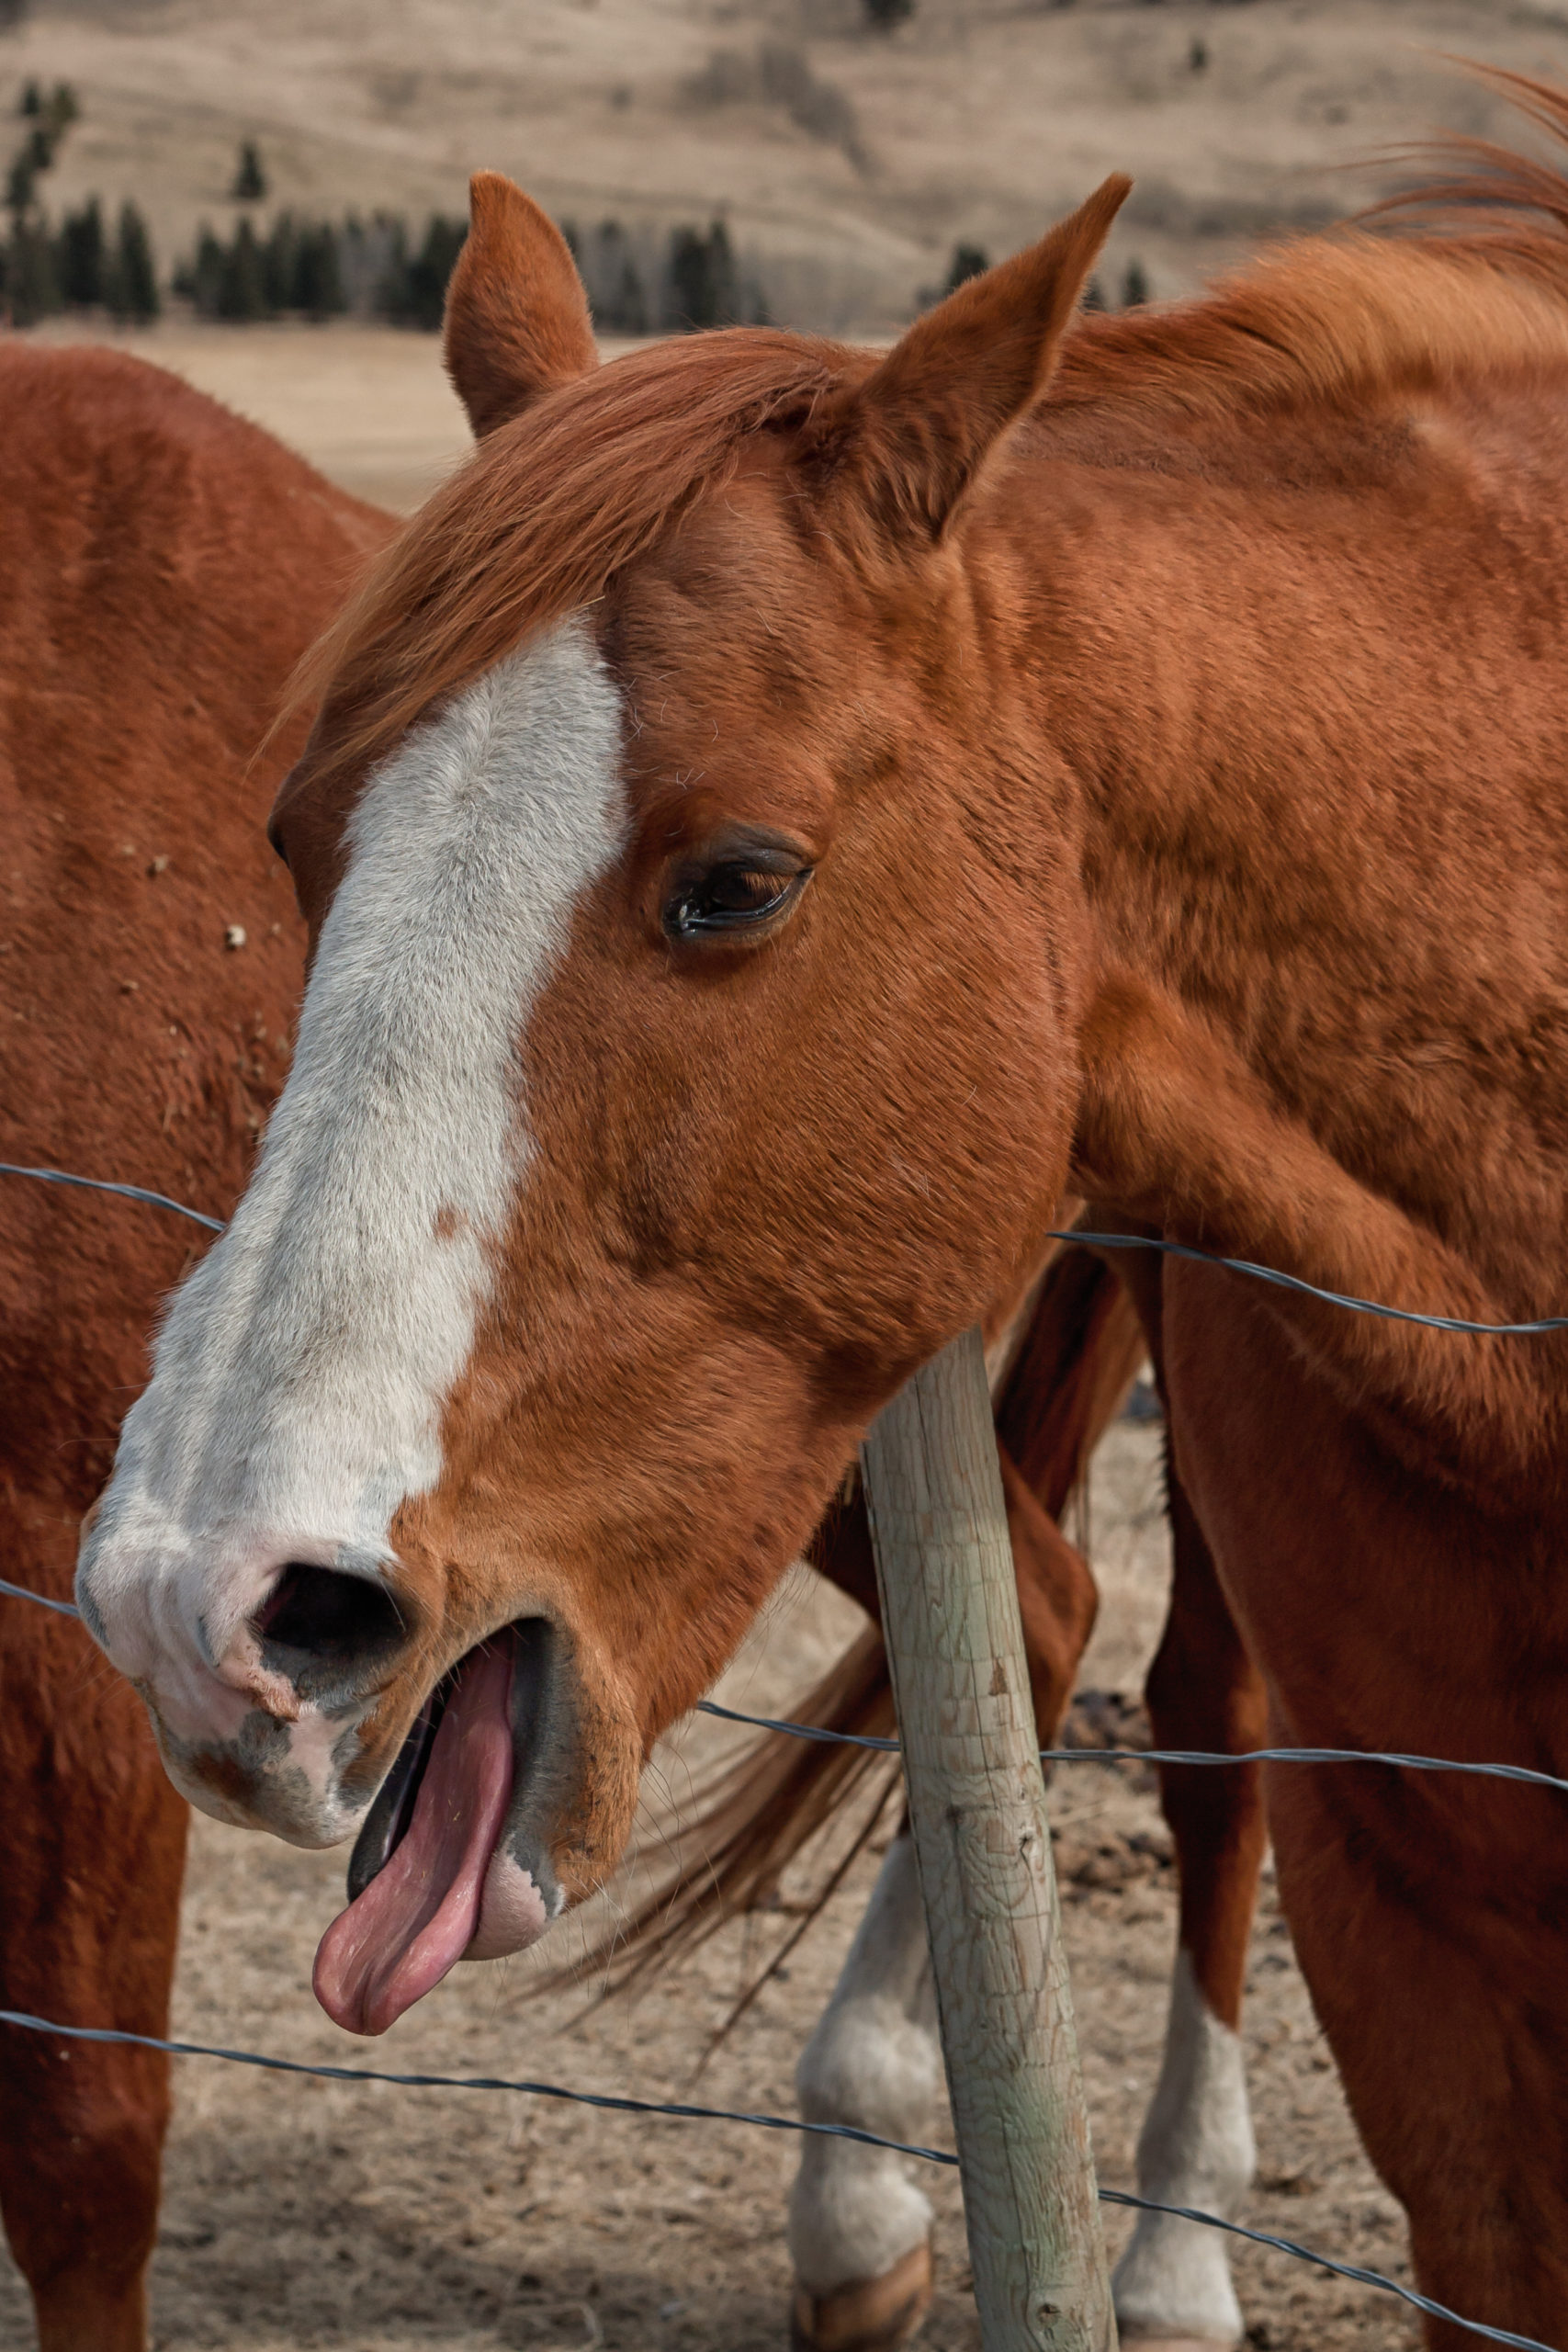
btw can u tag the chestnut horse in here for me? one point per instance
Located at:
(778, 820)
(146, 522)
(166, 567)
(151, 535)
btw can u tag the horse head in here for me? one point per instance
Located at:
(688, 1052)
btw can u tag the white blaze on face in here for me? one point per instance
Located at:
(302, 1372)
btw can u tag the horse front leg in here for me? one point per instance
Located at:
(859, 2228)
(91, 1850)
(1172, 2285)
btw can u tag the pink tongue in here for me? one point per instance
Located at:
(417, 1916)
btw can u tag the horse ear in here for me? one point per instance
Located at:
(909, 438)
(517, 319)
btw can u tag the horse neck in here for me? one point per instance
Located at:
(1327, 997)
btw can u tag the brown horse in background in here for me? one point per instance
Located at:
(166, 567)
(778, 820)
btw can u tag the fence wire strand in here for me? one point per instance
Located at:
(1164, 1755)
(1307, 1290)
(126, 1191)
(1069, 1234)
(820, 1733)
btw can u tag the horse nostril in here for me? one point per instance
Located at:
(319, 1619)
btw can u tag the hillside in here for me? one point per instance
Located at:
(846, 163)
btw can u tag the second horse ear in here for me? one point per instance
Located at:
(516, 322)
(906, 441)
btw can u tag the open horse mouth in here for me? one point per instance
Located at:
(435, 1877)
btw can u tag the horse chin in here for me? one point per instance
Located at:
(453, 1862)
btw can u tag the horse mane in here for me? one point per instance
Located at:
(1349, 313)
(551, 506)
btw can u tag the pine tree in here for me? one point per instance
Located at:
(317, 280)
(50, 119)
(241, 292)
(279, 255)
(969, 261)
(631, 302)
(390, 299)
(21, 185)
(421, 296)
(133, 280)
(1134, 287)
(722, 276)
(200, 279)
(703, 291)
(79, 261)
(250, 179)
(33, 289)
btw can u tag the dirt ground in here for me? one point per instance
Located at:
(303, 2213)
(846, 174)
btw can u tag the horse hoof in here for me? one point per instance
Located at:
(871, 2315)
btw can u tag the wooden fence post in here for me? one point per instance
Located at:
(977, 1809)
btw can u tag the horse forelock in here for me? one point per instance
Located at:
(545, 513)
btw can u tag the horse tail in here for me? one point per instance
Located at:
(750, 1817)
(1080, 1354)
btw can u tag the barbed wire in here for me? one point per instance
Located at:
(687, 2111)
(1069, 1233)
(1394, 1758)
(683, 2112)
(126, 1191)
(1305, 1290)
(823, 1734)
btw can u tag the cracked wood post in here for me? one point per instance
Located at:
(983, 1846)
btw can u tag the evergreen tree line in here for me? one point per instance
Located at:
(377, 269)
(639, 284)
(972, 261)
(84, 265)
(322, 269)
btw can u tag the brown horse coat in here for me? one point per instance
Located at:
(166, 565)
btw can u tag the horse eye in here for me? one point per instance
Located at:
(729, 897)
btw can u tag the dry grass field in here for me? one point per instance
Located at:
(848, 175)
